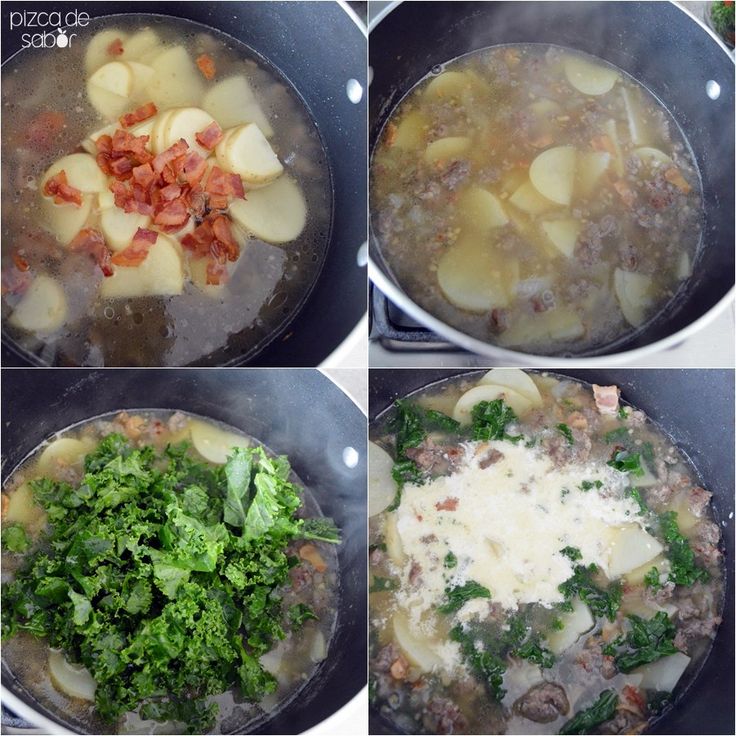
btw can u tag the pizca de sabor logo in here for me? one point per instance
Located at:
(47, 30)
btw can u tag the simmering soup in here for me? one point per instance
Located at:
(166, 197)
(543, 560)
(537, 198)
(159, 568)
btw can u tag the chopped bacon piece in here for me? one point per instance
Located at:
(59, 188)
(634, 696)
(449, 504)
(104, 144)
(606, 398)
(139, 115)
(206, 64)
(216, 271)
(43, 130)
(196, 201)
(200, 239)
(210, 136)
(224, 236)
(89, 240)
(236, 186)
(170, 192)
(174, 213)
(218, 202)
(191, 168)
(121, 168)
(169, 155)
(137, 251)
(20, 263)
(124, 143)
(218, 182)
(143, 175)
(115, 48)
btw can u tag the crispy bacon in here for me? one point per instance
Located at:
(210, 136)
(115, 48)
(170, 192)
(125, 143)
(89, 240)
(138, 115)
(216, 271)
(224, 235)
(199, 240)
(170, 154)
(121, 168)
(196, 201)
(143, 176)
(137, 251)
(59, 188)
(173, 213)
(104, 144)
(449, 504)
(44, 129)
(20, 263)
(206, 64)
(236, 186)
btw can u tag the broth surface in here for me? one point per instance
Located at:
(203, 324)
(536, 197)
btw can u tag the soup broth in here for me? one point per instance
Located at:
(536, 198)
(548, 564)
(74, 293)
(302, 606)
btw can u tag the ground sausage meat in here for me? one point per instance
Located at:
(543, 703)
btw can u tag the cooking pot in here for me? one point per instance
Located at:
(662, 46)
(319, 48)
(696, 409)
(300, 413)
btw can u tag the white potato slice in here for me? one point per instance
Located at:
(105, 200)
(318, 648)
(96, 53)
(71, 679)
(185, 123)
(64, 451)
(246, 152)
(611, 130)
(275, 214)
(138, 44)
(198, 271)
(485, 392)
(447, 85)
(575, 623)
(144, 128)
(480, 210)
(394, 547)
(636, 576)
(214, 443)
(116, 77)
(161, 274)
(43, 308)
(81, 170)
(411, 131)
(544, 109)
(65, 220)
(176, 81)
(381, 485)
(417, 650)
(89, 142)
(588, 78)
(554, 325)
(157, 140)
(142, 75)
(108, 104)
(563, 234)
(633, 291)
(119, 226)
(516, 379)
(664, 674)
(232, 102)
(444, 149)
(23, 510)
(684, 268)
(529, 200)
(651, 155)
(630, 547)
(639, 131)
(553, 173)
(470, 277)
(591, 166)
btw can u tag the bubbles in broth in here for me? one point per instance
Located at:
(195, 297)
(536, 197)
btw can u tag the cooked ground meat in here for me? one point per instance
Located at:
(625, 721)
(455, 174)
(436, 459)
(698, 499)
(442, 715)
(543, 703)
(490, 458)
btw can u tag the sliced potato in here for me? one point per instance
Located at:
(275, 214)
(554, 325)
(563, 234)
(639, 131)
(138, 44)
(544, 109)
(115, 76)
(81, 170)
(447, 85)
(664, 674)
(110, 105)
(651, 155)
(684, 268)
(381, 485)
(411, 131)
(630, 547)
(142, 75)
(394, 547)
(157, 140)
(119, 226)
(529, 200)
(43, 308)
(591, 166)
(185, 123)
(470, 277)
(64, 451)
(214, 443)
(232, 102)
(611, 130)
(480, 209)
(512, 179)
(636, 576)
(633, 291)
(553, 173)
(486, 392)
(23, 510)
(444, 149)
(417, 650)
(516, 379)
(588, 78)
(65, 220)
(96, 53)
(176, 82)
(105, 200)
(246, 152)
(71, 679)
(161, 274)
(575, 623)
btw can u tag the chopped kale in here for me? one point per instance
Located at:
(533, 651)
(322, 529)
(635, 493)
(619, 435)
(601, 602)
(487, 666)
(14, 538)
(683, 569)
(623, 413)
(626, 462)
(450, 560)
(602, 710)
(572, 553)
(490, 419)
(299, 613)
(381, 585)
(458, 596)
(587, 485)
(651, 579)
(648, 641)
(566, 432)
